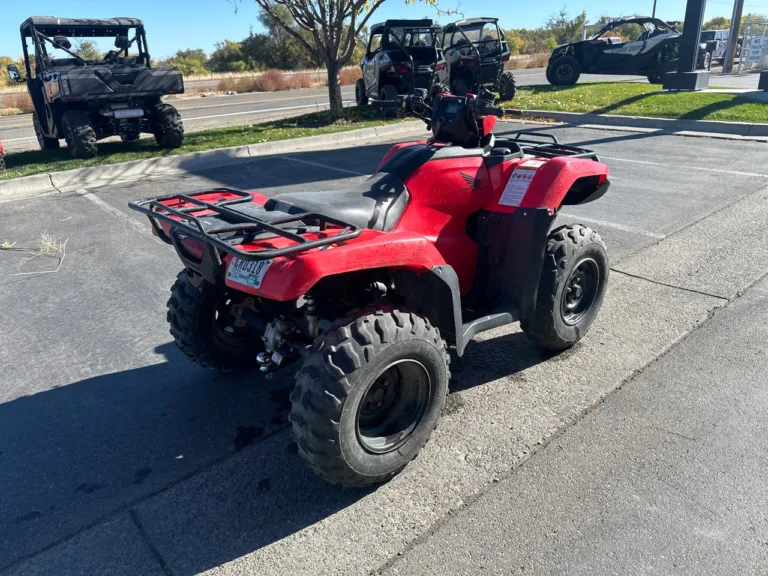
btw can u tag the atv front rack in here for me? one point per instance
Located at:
(527, 142)
(238, 225)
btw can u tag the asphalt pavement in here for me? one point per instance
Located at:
(201, 113)
(119, 456)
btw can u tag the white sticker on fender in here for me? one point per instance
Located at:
(248, 272)
(516, 187)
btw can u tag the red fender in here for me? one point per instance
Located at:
(291, 277)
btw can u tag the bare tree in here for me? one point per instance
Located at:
(333, 27)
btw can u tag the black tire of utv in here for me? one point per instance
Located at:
(567, 247)
(80, 136)
(557, 79)
(388, 92)
(459, 87)
(45, 143)
(439, 89)
(334, 380)
(167, 126)
(548, 74)
(708, 61)
(507, 86)
(655, 79)
(360, 97)
(2, 161)
(191, 312)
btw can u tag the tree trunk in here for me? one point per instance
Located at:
(334, 90)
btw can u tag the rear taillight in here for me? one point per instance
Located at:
(400, 68)
(440, 67)
(467, 63)
(505, 58)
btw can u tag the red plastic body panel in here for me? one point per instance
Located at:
(290, 277)
(444, 193)
(2, 149)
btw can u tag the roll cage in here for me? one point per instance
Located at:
(652, 25)
(47, 31)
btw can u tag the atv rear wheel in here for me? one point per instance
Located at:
(388, 92)
(167, 126)
(368, 396)
(80, 136)
(45, 143)
(564, 71)
(360, 96)
(573, 282)
(655, 79)
(459, 87)
(205, 325)
(507, 85)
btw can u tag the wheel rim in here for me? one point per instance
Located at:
(580, 291)
(564, 72)
(393, 406)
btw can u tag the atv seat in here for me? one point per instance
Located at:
(376, 203)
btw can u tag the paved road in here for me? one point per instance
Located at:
(667, 477)
(117, 454)
(204, 113)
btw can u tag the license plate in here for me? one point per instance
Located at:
(248, 272)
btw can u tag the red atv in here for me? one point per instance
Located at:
(365, 288)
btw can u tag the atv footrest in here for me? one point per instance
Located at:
(207, 215)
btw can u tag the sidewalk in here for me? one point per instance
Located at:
(667, 477)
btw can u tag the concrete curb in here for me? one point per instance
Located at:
(742, 129)
(41, 184)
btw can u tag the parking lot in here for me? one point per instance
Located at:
(117, 454)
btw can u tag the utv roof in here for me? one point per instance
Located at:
(426, 23)
(53, 26)
(470, 21)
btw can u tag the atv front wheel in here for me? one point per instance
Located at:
(507, 86)
(360, 96)
(204, 323)
(45, 143)
(2, 161)
(80, 136)
(564, 71)
(368, 396)
(573, 282)
(167, 126)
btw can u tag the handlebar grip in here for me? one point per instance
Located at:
(396, 103)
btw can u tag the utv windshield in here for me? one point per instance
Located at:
(484, 37)
(117, 46)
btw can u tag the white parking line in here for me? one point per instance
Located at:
(717, 170)
(20, 139)
(254, 112)
(615, 225)
(141, 227)
(326, 166)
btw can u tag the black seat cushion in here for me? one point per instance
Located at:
(376, 203)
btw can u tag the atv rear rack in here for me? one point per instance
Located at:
(184, 222)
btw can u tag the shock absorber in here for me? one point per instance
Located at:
(313, 320)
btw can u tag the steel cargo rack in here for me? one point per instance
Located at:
(225, 227)
(551, 149)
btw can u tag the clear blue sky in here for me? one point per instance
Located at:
(175, 24)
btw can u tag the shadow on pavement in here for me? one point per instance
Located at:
(73, 455)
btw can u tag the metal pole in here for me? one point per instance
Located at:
(733, 38)
(654, 9)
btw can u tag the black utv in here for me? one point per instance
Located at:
(401, 57)
(84, 100)
(475, 56)
(640, 45)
